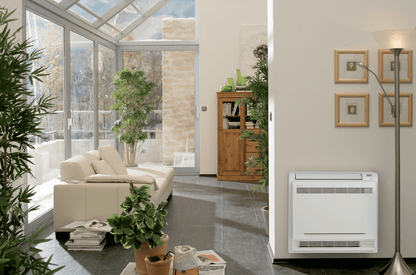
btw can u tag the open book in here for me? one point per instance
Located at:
(92, 225)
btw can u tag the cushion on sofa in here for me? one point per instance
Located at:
(102, 167)
(159, 172)
(111, 156)
(145, 179)
(79, 167)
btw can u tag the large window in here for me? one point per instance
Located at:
(171, 127)
(82, 94)
(47, 154)
(106, 73)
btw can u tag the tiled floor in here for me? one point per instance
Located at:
(208, 214)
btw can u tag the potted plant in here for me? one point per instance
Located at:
(258, 106)
(140, 225)
(133, 110)
(20, 118)
(158, 264)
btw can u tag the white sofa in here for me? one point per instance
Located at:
(78, 200)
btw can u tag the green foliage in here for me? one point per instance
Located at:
(140, 221)
(131, 105)
(19, 119)
(258, 106)
(241, 80)
(226, 88)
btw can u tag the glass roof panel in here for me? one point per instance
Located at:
(124, 18)
(58, 1)
(80, 12)
(144, 5)
(108, 30)
(100, 7)
(151, 29)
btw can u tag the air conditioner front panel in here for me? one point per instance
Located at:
(333, 213)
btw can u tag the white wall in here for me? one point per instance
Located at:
(219, 58)
(302, 90)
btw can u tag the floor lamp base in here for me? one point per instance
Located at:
(396, 266)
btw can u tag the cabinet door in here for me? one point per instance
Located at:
(231, 154)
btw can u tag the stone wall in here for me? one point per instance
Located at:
(178, 110)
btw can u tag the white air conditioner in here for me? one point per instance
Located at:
(333, 212)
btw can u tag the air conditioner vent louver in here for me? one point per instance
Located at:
(333, 190)
(325, 244)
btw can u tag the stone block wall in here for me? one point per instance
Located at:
(178, 110)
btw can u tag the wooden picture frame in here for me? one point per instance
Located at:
(386, 66)
(346, 69)
(352, 110)
(386, 119)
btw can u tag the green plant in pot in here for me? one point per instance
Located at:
(20, 119)
(133, 109)
(140, 225)
(257, 104)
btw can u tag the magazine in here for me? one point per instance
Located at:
(92, 225)
(206, 257)
(212, 269)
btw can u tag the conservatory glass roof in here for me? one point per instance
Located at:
(118, 18)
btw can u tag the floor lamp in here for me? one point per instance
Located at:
(396, 41)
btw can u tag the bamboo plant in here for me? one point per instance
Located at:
(19, 120)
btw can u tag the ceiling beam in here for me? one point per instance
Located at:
(88, 10)
(67, 4)
(141, 19)
(113, 11)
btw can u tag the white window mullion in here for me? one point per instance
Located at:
(67, 4)
(89, 11)
(142, 18)
(113, 11)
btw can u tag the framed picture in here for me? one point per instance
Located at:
(386, 66)
(352, 110)
(346, 69)
(385, 112)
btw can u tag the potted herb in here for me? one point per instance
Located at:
(140, 225)
(19, 119)
(258, 106)
(132, 91)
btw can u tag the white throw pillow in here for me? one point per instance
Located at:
(145, 179)
(102, 167)
(111, 156)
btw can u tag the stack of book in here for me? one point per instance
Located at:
(249, 125)
(87, 235)
(210, 263)
(86, 240)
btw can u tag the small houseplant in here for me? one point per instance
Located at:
(258, 106)
(19, 119)
(140, 225)
(132, 91)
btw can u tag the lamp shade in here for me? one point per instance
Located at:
(395, 39)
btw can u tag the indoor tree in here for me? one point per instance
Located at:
(20, 119)
(133, 109)
(257, 104)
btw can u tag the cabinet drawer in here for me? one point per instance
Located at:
(251, 147)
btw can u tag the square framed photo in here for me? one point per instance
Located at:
(346, 69)
(385, 111)
(352, 110)
(386, 66)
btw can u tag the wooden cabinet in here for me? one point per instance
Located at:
(232, 152)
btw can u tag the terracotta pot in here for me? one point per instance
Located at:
(265, 211)
(158, 268)
(145, 250)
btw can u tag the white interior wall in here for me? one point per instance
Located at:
(302, 92)
(219, 44)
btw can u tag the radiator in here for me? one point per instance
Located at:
(333, 212)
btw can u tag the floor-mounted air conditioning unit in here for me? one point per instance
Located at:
(333, 212)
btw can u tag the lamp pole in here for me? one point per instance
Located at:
(397, 266)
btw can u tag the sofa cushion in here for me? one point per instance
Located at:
(79, 167)
(100, 178)
(102, 167)
(156, 172)
(111, 156)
